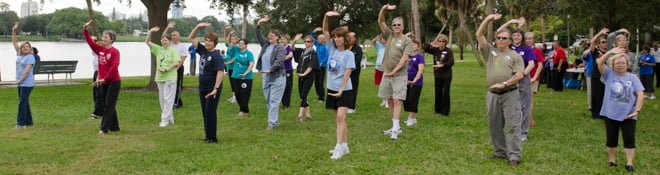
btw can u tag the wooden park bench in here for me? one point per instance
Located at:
(56, 67)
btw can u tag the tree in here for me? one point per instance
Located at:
(4, 6)
(216, 25)
(68, 22)
(466, 12)
(36, 23)
(7, 19)
(118, 26)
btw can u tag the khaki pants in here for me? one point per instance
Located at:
(504, 119)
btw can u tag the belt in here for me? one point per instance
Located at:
(504, 91)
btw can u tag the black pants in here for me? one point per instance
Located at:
(111, 94)
(355, 82)
(232, 82)
(657, 75)
(647, 82)
(597, 94)
(243, 91)
(209, 113)
(319, 80)
(442, 99)
(179, 86)
(558, 78)
(99, 100)
(412, 98)
(193, 66)
(627, 128)
(286, 97)
(304, 86)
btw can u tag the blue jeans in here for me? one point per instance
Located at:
(24, 116)
(273, 91)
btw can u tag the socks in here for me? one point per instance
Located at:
(395, 124)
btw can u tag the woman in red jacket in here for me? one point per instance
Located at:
(108, 77)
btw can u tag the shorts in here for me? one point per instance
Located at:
(535, 86)
(345, 100)
(394, 87)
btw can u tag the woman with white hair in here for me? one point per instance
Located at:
(623, 101)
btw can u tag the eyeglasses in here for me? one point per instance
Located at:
(395, 25)
(308, 41)
(602, 42)
(502, 38)
(442, 41)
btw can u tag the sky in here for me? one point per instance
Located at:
(197, 8)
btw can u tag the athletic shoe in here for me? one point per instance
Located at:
(652, 97)
(394, 135)
(383, 103)
(411, 122)
(338, 153)
(350, 111)
(163, 124)
(389, 132)
(171, 121)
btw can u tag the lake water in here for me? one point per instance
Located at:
(134, 58)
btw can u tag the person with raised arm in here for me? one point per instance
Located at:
(243, 65)
(354, 46)
(182, 50)
(341, 61)
(395, 64)
(535, 74)
(231, 42)
(443, 61)
(307, 60)
(288, 67)
(211, 72)
(320, 44)
(622, 104)
(379, 43)
(504, 69)
(597, 48)
(415, 82)
(24, 79)
(108, 77)
(167, 59)
(529, 58)
(270, 64)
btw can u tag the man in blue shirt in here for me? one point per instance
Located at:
(319, 75)
(193, 61)
(646, 64)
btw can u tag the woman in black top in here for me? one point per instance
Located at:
(307, 61)
(443, 60)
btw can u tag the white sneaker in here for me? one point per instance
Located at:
(383, 103)
(163, 124)
(652, 97)
(411, 122)
(394, 135)
(389, 131)
(350, 111)
(338, 153)
(386, 105)
(232, 99)
(171, 121)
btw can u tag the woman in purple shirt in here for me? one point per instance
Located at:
(622, 103)
(288, 67)
(415, 80)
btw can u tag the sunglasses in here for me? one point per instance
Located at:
(603, 42)
(308, 41)
(442, 41)
(395, 25)
(502, 38)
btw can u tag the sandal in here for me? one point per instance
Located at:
(100, 133)
(300, 118)
(93, 117)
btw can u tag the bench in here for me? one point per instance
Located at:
(56, 67)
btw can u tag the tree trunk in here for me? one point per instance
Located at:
(450, 37)
(244, 24)
(415, 16)
(464, 29)
(157, 14)
(91, 16)
(542, 29)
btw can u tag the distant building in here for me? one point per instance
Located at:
(237, 20)
(29, 8)
(176, 12)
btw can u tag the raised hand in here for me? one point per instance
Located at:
(604, 31)
(318, 29)
(263, 19)
(495, 16)
(521, 21)
(171, 25)
(204, 24)
(87, 24)
(156, 29)
(298, 36)
(331, 13)
(15, 26)
(389, 6)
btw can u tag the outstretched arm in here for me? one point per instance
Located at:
(603, 58)
(170, 26)
(192, 38)
(381, 17)
(260, 36)
(520, 21)
(14, 39)
(594, 41)
(148, 39)
(483, 42)
(326, 27)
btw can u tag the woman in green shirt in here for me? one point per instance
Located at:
(242, 74)
(167, 60)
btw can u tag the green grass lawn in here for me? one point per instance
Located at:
(63, 141)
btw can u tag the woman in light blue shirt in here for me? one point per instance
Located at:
(24, 79)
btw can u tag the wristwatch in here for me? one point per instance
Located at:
(504, 83)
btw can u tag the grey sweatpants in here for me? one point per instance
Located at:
(525, 90)
(504, 119)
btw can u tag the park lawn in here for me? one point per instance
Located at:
(63, 141)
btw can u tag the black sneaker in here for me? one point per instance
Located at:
(630, 168)
(611, 164)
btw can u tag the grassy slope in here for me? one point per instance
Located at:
(565, 140)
